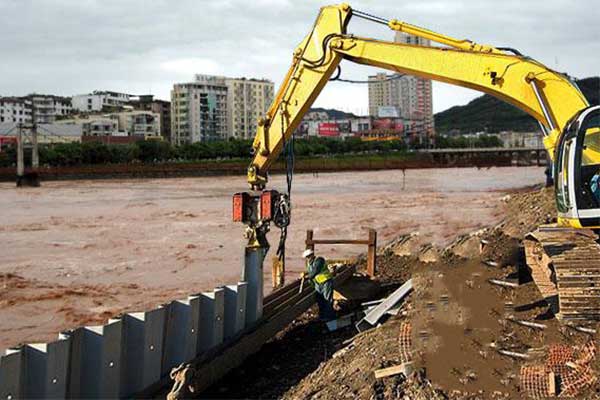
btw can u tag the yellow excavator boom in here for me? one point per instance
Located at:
(548, 96)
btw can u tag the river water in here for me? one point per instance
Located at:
(75, 252)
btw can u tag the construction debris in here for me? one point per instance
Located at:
(442, 330)
(566, 372)
(537, 382)
(405, 368)
(490, 263)
(340, 323)
(513, 354)
(528, 324)
(503, 283)
(581, 328)
(373, 317)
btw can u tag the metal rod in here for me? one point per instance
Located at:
(543, 104)
(370, 17)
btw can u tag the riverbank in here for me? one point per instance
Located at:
(340, 163)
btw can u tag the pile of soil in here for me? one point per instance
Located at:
(459, 322)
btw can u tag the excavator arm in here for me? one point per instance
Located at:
(548, 96)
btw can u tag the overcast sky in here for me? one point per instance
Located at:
(71, 47)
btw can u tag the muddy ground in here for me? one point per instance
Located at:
(77, 252)
(457, 323)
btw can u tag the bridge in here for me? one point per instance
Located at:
(492, 155)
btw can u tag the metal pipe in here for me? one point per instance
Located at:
(543, 104)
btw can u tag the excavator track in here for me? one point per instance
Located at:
(565, 265)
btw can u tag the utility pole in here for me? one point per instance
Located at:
(35, 158)
(20, 156)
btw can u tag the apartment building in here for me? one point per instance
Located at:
(46, 109)
(403, 96)
(247, 101)
(417, 98)
(217, 107)
(93, 125)
(385, 95)
(100, 101)
(199, 110)
(15, 110)
(138, 123)
(160, 107)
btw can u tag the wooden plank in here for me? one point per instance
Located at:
(338, 241)
(404, 368)
(551, 384)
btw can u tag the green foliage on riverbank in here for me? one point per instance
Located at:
(90, 153)
(94, 153)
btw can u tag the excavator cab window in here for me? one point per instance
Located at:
(563, 173)
(587, 158)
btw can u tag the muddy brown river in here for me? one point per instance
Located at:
(78, 252)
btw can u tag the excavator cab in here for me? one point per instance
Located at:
(577, 171)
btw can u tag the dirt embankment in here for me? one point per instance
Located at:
(451, 328)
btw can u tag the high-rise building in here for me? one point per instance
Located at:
(405, 96)
(417, 99)
(247, 101)
(216, 107)
(385, 95)
(199, 110)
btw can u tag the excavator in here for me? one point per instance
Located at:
(564, 258)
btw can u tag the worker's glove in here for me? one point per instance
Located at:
(303, 275)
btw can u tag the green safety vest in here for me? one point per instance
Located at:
(324, 275)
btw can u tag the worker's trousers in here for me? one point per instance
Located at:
(325, 300)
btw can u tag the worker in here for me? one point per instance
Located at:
(318, 273)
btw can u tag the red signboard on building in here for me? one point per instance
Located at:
(388, 124)
(329, 129)
(7, 141)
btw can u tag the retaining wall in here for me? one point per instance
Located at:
(129, 353)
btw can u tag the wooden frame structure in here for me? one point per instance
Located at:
(371, 242)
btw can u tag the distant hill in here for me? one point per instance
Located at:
(333, 113)
(486, 113)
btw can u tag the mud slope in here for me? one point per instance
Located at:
(451, 328)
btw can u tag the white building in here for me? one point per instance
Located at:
(100, 100)
(15, 109)
(247, 101)
(47, 108)
(199, 110)
(94, 125)
(217, 107)
(134, 123)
